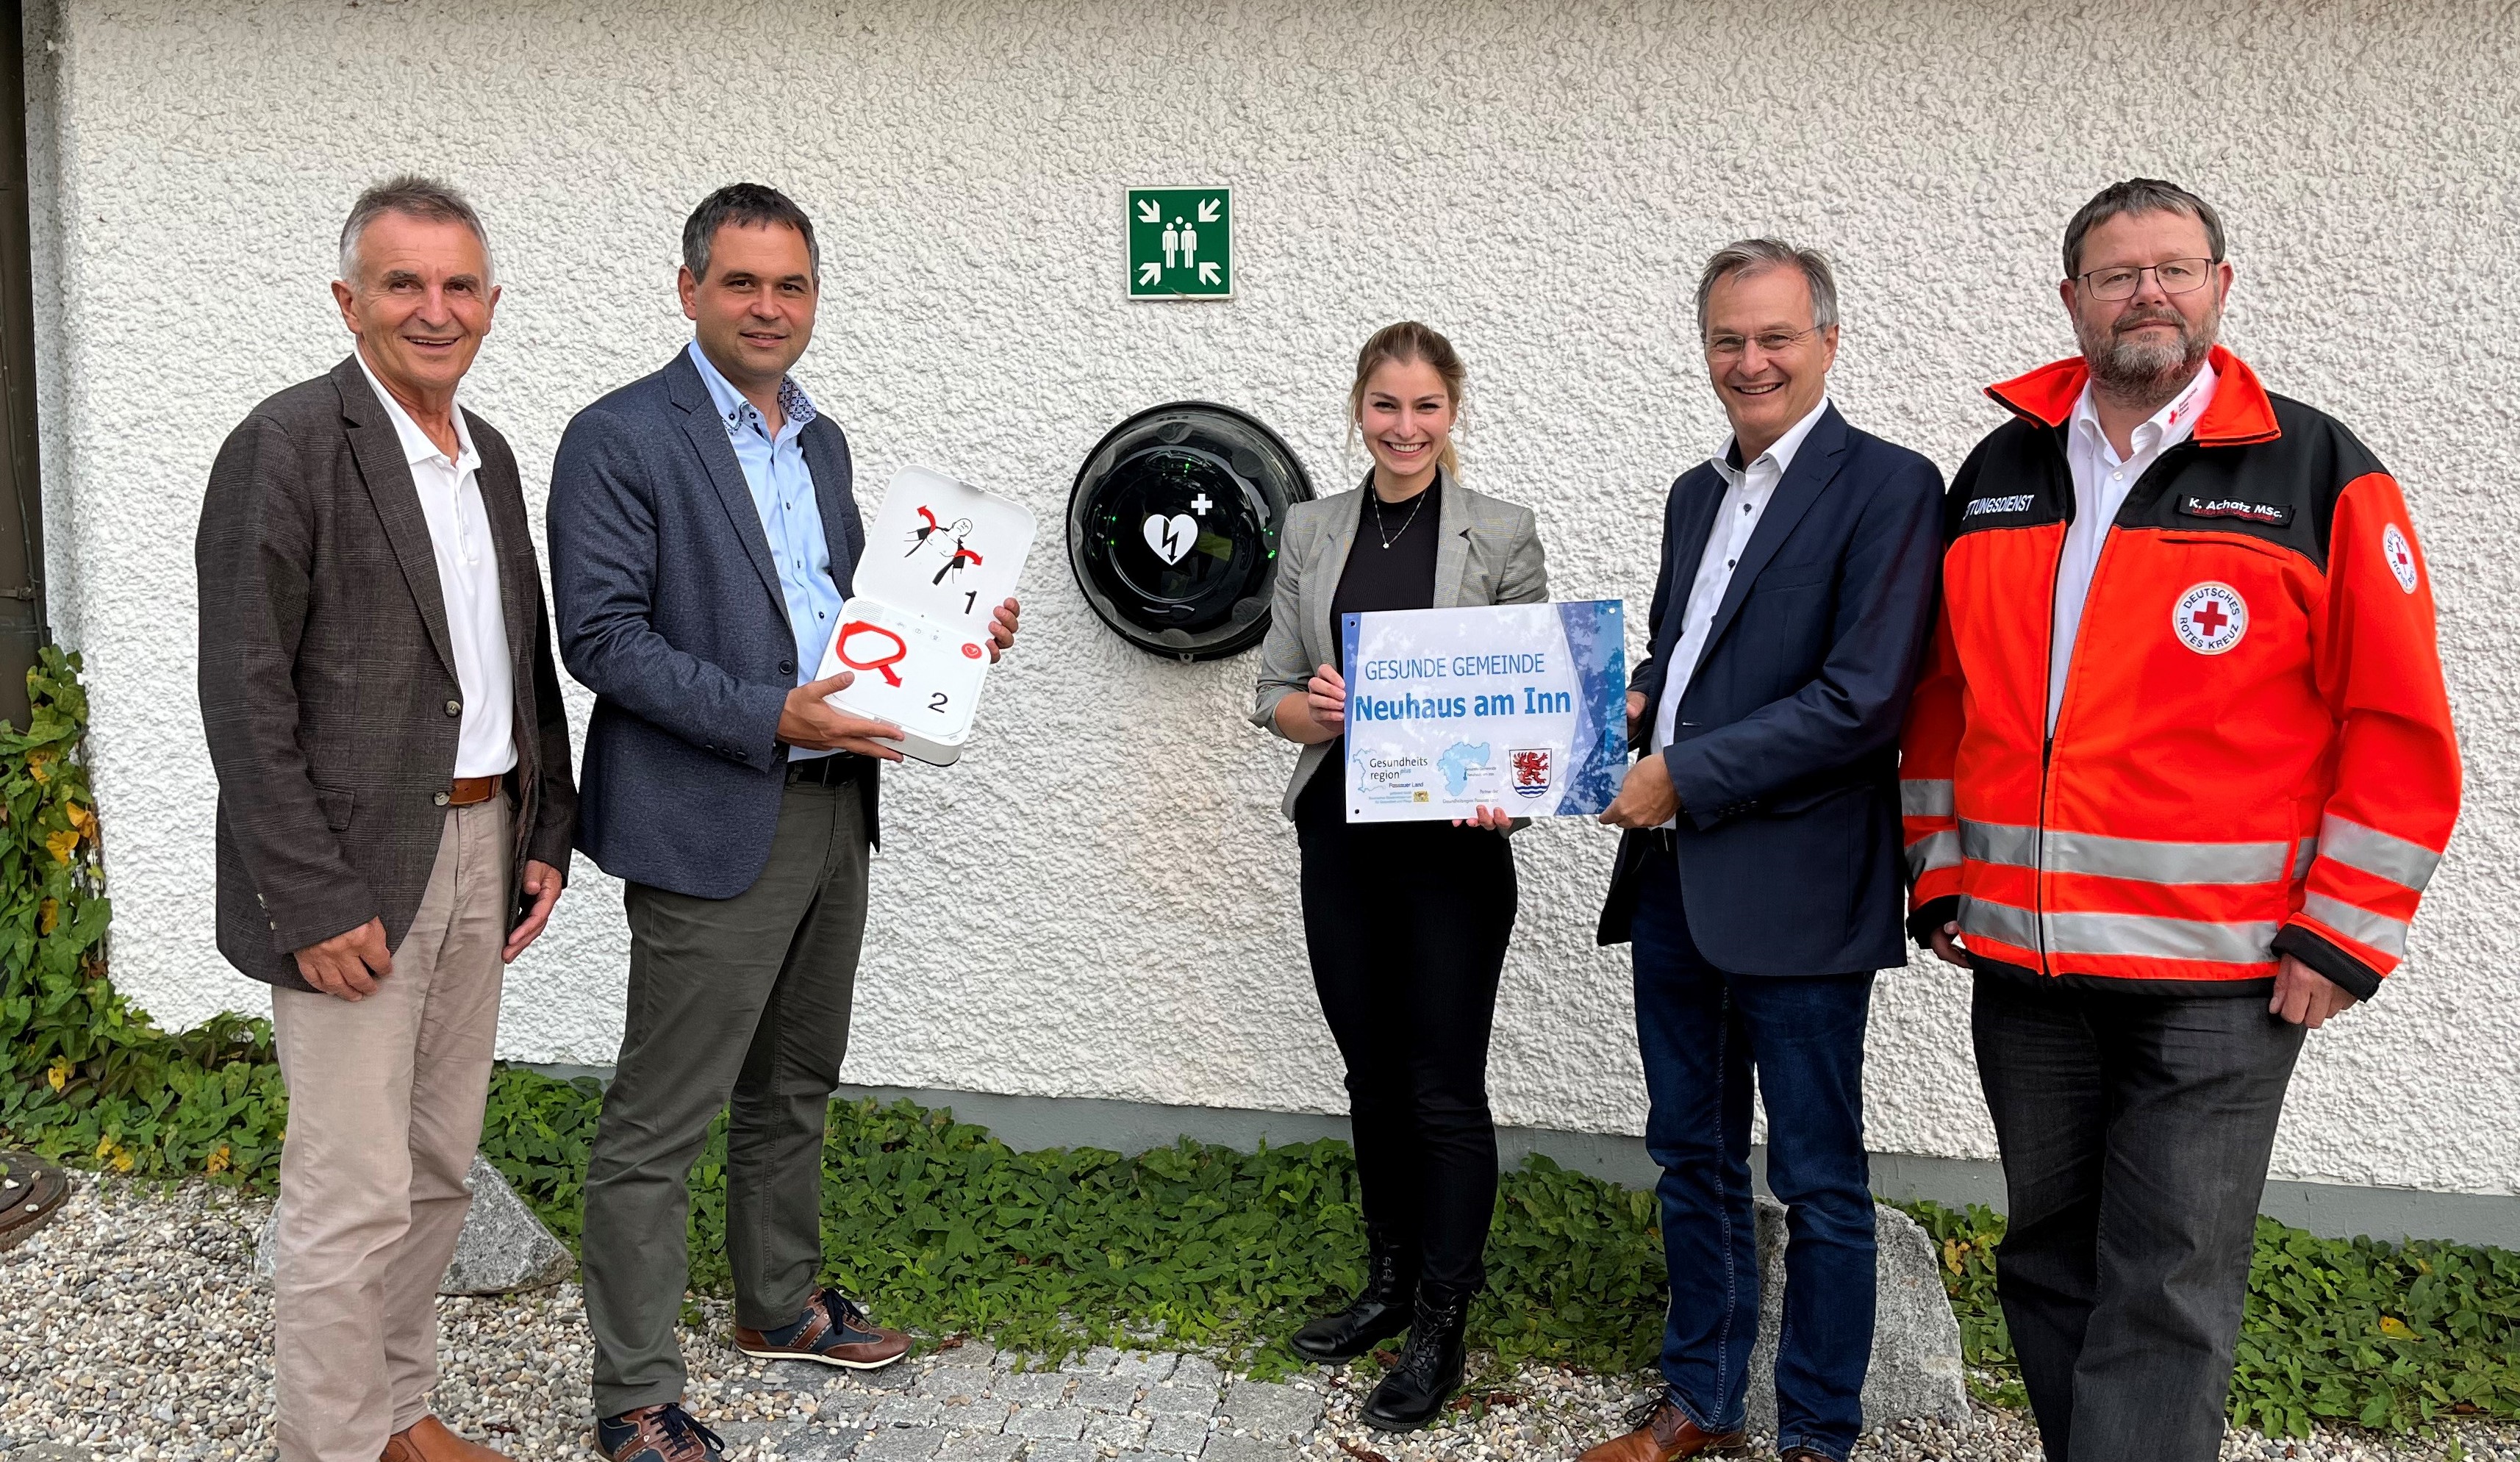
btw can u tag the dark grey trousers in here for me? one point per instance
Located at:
(741, 1002)
(2136, 1132)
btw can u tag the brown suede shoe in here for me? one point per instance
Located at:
(833, 1331)
(427, 1441)
(1669, 1436)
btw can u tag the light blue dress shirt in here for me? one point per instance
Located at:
(782, 493)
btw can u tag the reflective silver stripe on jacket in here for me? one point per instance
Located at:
(2005, 921)
(1935, 849)
(2150, 936)
(2360, 924)
(1923, 798)
(2300, 858)
(2138, 859)
(2140, 935)
(2146, 860)
(2380, 853)
(1999, 842)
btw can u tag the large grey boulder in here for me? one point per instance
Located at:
(503, 1248)
(1915, 1367)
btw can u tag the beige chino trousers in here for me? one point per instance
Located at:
(384, 1114)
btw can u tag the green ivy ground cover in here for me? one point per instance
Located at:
(949, 1229)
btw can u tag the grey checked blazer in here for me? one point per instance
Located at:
(328, 681)
(1488, 552)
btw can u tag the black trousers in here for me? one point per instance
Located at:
(1407, 925)
(2136, 1132)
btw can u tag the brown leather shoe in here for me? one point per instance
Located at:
(833, 1331)
(1669, 1436)
(427, 1441)
(657, 1433)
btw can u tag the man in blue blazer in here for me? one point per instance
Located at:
(1761, 876)
(702, 539)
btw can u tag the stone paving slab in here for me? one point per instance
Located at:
(1031, 1388)
(907, 1411)
(1225, 1446)
(1286, 1413)
(900, 1444)
(956, 1381)
(1146, 1367)
(1120, 1434)
(813, 1445)
(1179, 1400)
(1096, 1362)
(900, 1377)
(984, 1446)
(1180, 1435)
(1106, 1394)
(1060, 1451)
(1047, 1423)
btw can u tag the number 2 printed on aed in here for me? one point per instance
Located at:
(940, 560)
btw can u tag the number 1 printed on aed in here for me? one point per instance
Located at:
(916, 633)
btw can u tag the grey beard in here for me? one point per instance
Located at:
(2143, 375)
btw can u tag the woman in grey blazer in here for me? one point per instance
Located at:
(1406, 923)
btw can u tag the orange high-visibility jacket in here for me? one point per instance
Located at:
(2253, 755)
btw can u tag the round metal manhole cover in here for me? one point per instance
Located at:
(32, 1191)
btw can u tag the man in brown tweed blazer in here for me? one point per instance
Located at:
(395, 805)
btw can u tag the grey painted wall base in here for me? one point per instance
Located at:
(1027, 1123)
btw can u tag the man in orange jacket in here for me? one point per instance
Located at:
(2174, 779)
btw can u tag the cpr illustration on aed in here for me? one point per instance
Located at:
(917, 632)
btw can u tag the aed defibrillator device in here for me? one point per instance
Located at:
(940, 560)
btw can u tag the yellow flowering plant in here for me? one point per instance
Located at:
(85, 1073)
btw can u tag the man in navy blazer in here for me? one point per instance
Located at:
(703, 538)
(1761, 878)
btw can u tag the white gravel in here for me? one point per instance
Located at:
(131, 1328)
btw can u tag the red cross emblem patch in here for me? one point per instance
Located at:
(2401, 556)
(2210, 618)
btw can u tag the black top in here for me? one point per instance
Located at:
(1399, 577)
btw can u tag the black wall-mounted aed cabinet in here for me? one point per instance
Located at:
(1173, 525)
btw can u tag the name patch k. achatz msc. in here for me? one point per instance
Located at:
(2274, 514)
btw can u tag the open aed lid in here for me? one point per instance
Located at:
(940, 560)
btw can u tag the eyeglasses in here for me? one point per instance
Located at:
(2175, 275)
(1770, 342)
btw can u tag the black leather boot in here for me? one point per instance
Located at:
(1430, 1364)
(1379, 1311)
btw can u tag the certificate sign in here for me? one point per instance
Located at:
(1518, 707)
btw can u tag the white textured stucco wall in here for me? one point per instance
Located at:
(1099, 900)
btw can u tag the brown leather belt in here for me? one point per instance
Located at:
(468, 790)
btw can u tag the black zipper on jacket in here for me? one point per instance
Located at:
(2047, 747)
(2177, 452)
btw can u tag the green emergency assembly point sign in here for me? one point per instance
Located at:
(1181, 242)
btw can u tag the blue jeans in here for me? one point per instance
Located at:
(1703, 1033)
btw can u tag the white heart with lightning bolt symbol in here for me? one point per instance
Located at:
(1172, 537)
